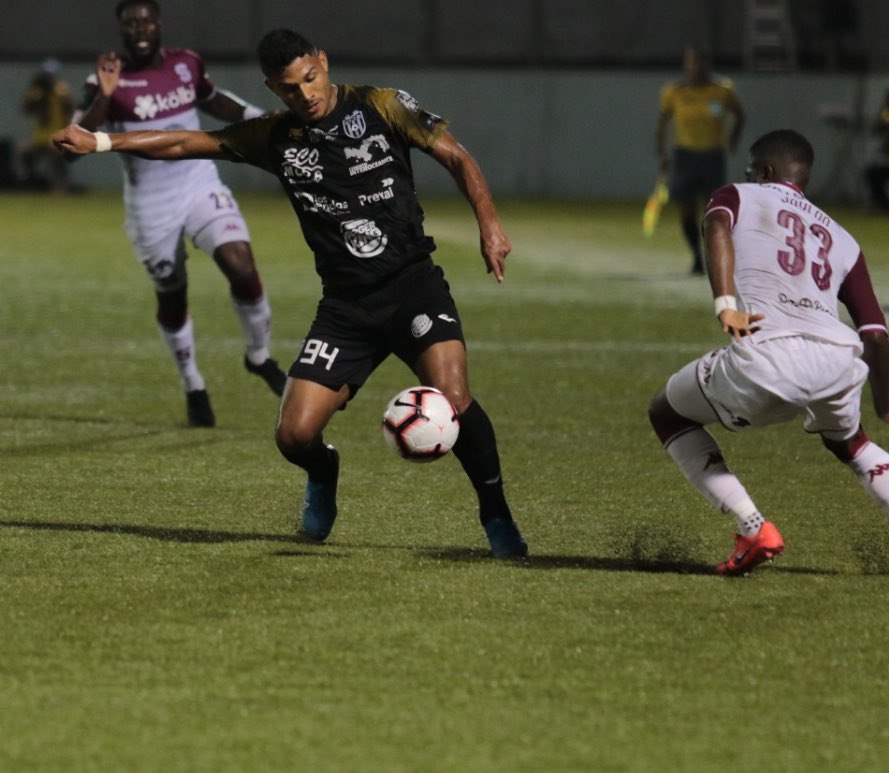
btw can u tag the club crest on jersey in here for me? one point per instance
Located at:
(363, 238)
(183, 72)
(420, 325)
(354, 125)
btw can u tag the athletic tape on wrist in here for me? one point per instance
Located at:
(252, 111)
(103, 142)
(724, 302)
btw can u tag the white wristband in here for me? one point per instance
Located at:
(103, 142)
(724, 302)
(252, 111)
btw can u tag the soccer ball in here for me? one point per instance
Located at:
(420, 424)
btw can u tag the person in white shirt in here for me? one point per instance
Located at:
(152, 87)
(778, 265)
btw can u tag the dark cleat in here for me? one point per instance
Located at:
(200, 414)
(505, 538)
(270, 373)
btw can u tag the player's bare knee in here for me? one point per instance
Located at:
(665, 421)
(235, 259)
(293, 439)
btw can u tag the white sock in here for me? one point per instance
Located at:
(871, 465)
(181, 345)
(700, 460)
(256, 322)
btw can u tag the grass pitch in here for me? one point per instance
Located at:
(158, 614)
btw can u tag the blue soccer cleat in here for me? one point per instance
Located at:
(319, 505)
(505, 538)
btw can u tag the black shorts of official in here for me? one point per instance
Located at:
(353, 333)
(696, 174)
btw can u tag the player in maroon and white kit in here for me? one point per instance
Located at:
(152, 87)
(777, 266)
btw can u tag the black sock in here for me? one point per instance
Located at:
(316, 459)
(476, 448)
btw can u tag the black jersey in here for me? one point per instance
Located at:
(349, 179)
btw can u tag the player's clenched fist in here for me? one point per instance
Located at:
(75, 141)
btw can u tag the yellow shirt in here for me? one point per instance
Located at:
(699, 113)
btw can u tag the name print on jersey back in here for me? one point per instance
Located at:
(790, 260)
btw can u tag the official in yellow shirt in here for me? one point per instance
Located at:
(707, 120)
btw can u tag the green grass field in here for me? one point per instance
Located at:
(158, 614)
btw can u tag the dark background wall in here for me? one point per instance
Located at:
(829, 34)
(555, 97)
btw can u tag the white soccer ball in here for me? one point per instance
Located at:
(420, 424)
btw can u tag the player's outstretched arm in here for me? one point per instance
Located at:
(876, 355)
(495, 244)
(163, 145)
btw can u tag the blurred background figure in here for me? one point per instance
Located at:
(877, 174)
(699, 108)
(47, 102)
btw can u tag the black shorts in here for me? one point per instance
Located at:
(352, 335)
(696, 173)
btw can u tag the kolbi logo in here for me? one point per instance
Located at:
(363, 238)
(148, 106)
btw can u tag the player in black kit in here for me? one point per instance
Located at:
(342, 154)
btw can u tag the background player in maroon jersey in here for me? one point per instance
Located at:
(778, 266)
(155, 87)
(341, 154)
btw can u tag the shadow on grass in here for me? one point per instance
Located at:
(193, 437)
(205, 536)
(590, 563)
(606, 563)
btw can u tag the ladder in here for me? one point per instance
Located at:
(769, 39)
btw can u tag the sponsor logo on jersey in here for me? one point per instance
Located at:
(363, 151)
(363, 238)
(426, 119)
(302, 165)
(318, 202)
(149, 105)
(374, 198)
(407, 100)
(420, 325)
(804, 303)
(354, 125)
(317, 135)
(366, 151)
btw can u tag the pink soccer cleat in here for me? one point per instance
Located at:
(750, 552)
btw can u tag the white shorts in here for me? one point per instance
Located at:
(212, 219)
(754, 384)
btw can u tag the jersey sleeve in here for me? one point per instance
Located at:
(857, 295)
(725, 199)
(204, 87)
(248, 142)
(403, 113)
